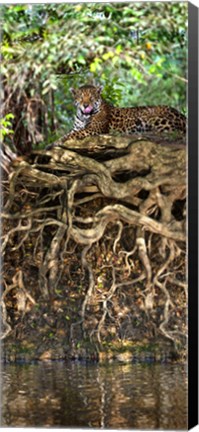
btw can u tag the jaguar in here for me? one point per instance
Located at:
(95, 116)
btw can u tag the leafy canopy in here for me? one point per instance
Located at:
(138, 51)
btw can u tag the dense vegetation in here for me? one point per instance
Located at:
(136, 50)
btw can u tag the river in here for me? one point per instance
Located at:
(117, 396)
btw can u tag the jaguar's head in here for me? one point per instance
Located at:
(87, 99)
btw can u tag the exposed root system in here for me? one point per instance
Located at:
(96, 228)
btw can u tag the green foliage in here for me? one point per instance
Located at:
(6, 126)
(138, 51)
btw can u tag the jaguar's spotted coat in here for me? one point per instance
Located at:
(95, 116)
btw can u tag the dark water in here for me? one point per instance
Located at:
(112, 396)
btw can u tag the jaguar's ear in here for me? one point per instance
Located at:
(73, 91)
(100, 88)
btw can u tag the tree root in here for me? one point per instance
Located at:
(22, 296)
(78, 196)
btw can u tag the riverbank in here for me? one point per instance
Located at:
(135, 353)
(46, 336)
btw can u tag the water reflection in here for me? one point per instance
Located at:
(112, 396)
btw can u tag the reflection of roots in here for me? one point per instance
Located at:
(66, 200)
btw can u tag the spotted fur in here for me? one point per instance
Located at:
(95, 116)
